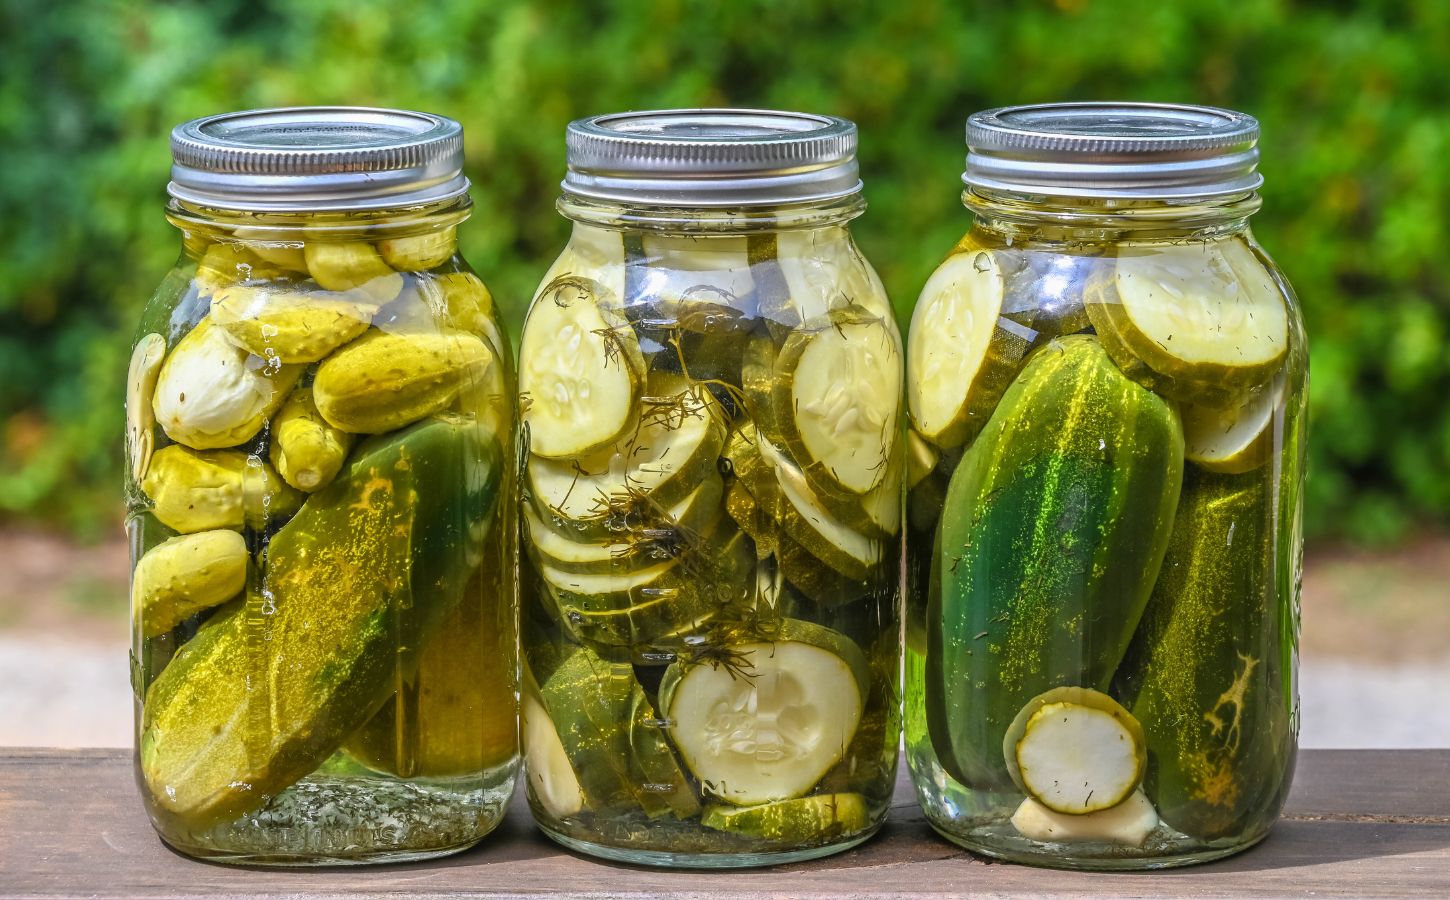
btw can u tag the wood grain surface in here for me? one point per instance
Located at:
(1359, 823)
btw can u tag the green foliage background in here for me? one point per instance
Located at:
(1354, 99)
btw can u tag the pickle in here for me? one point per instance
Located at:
(761, 721)
(1200, 323)
(369, 565)
(185, 575)
(212, 394)
(664, 456)
(1075, 750)
(201, 490)
(803, 822)
(1203, 674)
(381, 382)
(140, 390)
(345, 266)
(227, 263)
(418, 252)
(1054, 526)
(306, 451)
(293, 326)
(458, 714)
(580, 372)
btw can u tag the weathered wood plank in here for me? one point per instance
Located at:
(1359, 823)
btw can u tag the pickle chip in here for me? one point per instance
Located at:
(1237, 439)
(805, 821)
(1076, 750)
(1196, 322)
(140, 389)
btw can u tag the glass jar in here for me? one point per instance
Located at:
(320, 473)
(1106, 381)
(710, 378)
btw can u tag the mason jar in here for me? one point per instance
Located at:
(1106, 382)
(320, 471)
(710, 380)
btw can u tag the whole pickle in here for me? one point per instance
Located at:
(383, 381)
(293, 326)
(212, 394)
(417, 252)
(307, 452)
(180, 577)
(269, 688)
(345, 266)
(200, 490)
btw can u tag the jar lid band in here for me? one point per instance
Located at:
(712, 158)
(1113, 150)
(317, 158)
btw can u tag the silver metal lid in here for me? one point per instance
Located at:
(1113, 150)
(712, 158)
(317, 158)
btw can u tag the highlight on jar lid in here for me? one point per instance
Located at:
(317, 158)
(712, 158)
(1113, 150)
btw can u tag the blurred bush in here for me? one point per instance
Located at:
(1354, 99)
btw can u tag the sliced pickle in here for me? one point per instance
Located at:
(664, 455)
(1128, 824)
(950, 359)
(581, 371)
(1237, 439)
(1076, 750)
(805, 821)
(1197, 322)
(644, 541)
(762, 721)
(550, 774)
(837, 400)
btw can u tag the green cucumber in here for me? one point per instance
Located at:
(1054, 526)
(270, 687)
(1204, 674)
(762, 721)
(803, 822)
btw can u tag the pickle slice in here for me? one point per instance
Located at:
(184, 575)
(1128, 824)
(639, 542)
(666, 454)
(763, 721)
(837, 400)
(949, 359)
(579, 371)
(1237, 439)
(1197, 322)
(1076, 750)
(804, 821)
(550, 775)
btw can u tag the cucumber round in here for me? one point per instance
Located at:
(1196, 322)
(1237, 439)
(921, 458)
(801, 822)
(1128, 824)
(666, 453)
(830, 540)
(664, 789)
(645, 542)
(763, 721)
(949, 359)
(837, 394)
(572, 764)
(550, 776)
(579, 370)
(1075, 750)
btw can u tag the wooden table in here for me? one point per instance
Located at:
(1359, 823)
